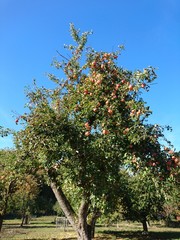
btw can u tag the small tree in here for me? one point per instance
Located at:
(9, 180)
(23, 200)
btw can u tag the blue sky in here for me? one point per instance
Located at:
(32, 30)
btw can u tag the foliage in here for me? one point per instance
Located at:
(91, 125)
(4, 132)
(23, 200)
(9, 180)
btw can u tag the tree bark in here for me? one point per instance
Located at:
(95, 216)
(81, 227)
(22, 221)
(64, 204)
(1, 222)
(84, 230)
(25, 219)
(145, 226)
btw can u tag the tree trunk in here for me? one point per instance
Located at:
(64, 204)
(95, 216)
(22, 222)
(1, 222)
(84, 230)
(25, 219)
(81, 227)
(145, 226)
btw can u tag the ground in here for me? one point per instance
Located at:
(44, 228)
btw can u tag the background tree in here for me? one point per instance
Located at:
(80, 133)
(23, 200)
(9, 180)
(144, 198)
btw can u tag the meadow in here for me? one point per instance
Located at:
(44, 228)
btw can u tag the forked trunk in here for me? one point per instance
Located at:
(64, 204)
(79, 223)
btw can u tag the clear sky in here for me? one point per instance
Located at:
(32, 30)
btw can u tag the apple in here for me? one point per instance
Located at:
(176, 160)
(110, 111)
(92, 80)
(168, 163)
(105, 131)
(117, 86)
(123, 81)
(87, 134)
(98, 82)
(17, 120)
(126, 131)
(87, 126)
(143, 85)
(86, 92)
(138, 113)
(131, 87)
(107, 102)
(102, 66)
(171, 152)
(93, 64)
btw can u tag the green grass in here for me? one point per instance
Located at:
(44, 229)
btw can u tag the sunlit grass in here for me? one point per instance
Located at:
(44, 228)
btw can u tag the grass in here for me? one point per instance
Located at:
(44, 229)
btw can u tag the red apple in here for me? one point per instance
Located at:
(117, 86)
(86, 92)
(87, 126)
(110, 111)
(126, 131)
(17, 120)
(87, 134)
(176, 160)
(143, 85)
(98, 82)
(105, 131)
(131, 87)
(93, 64)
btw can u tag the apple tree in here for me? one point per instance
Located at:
(23, 200)
(81, 132)
(9, 179)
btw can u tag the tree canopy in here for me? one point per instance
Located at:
(91, 125)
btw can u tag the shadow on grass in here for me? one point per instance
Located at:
(27, 226)
(139, 236)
